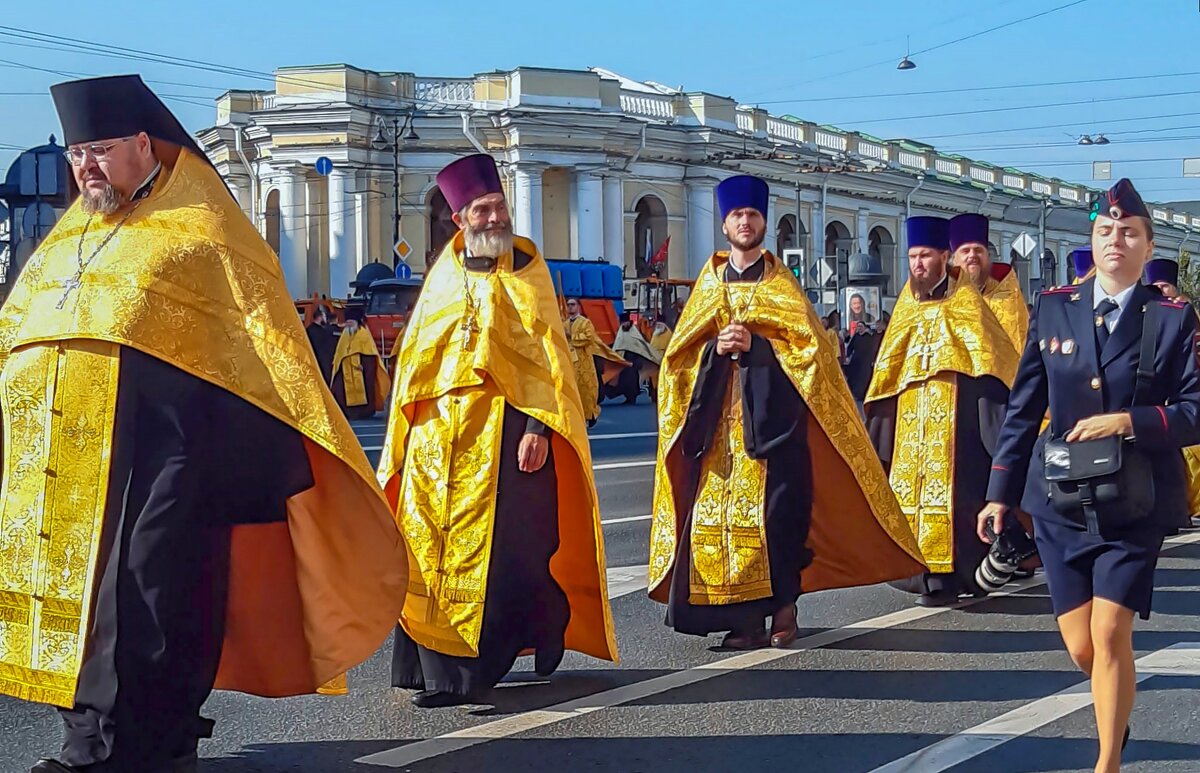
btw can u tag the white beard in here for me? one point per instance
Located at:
(488, 243)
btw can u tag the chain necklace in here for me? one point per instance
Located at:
(75, 282)
(469, 326)
(746, 306)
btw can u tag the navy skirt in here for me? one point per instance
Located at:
(1081, 566)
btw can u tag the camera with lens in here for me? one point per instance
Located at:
(1009, 548)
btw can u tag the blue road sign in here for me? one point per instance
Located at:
(324, 166)
(403, 271)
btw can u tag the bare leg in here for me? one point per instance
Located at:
(1114, 679)
(1076, 628)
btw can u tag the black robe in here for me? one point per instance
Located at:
(525, 608)
(979, 412)
(860, 362)
(190, 460)
(775, 430)
(370, 385)
(323, 339)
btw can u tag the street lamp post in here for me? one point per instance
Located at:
(382, 142)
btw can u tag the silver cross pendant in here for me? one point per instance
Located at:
(71, 284)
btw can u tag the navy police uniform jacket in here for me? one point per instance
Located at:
(1062, 370)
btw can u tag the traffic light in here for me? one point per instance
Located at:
(1093, 199)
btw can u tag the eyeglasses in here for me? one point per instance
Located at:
(98, 151)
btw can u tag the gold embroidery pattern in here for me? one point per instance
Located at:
(189, 281)
(923, 466)
(1006, 302)
(58, 404)
(517, 353)
(842, 451)
(729, 529)
(958, 334)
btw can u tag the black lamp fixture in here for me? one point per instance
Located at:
(1086, 140)
(1100, 139)
(906, 63)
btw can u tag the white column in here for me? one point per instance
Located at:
(614, 222)
(318, 266)
(362, 234)
(589, 215)
(860, 231)
(293, 236)
(772, 217)
(701, 220)
(1064, 257)
(343, 263)
(527, 209)
(1006, 240)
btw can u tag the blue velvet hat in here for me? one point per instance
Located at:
(1162, 270)
(743, 191)
(926, 231)
(1081, 257)
(968, 228)
(1124, 201)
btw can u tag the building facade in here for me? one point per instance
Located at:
(337, 161)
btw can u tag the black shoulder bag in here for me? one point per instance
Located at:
(1108, 482)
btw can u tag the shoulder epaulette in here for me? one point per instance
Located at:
(1060, 290)
(1174, 304)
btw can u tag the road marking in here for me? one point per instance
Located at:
(1181, 659)
(605, 466)
(615, 436)
(623, 580)
(627, 519)
(623, 465)
(521, 723)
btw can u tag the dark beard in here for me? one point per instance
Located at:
(923, 287)
(104, 203)
(753, 243)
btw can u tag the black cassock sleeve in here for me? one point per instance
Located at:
(773, 410)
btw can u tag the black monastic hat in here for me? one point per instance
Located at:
(115, 106)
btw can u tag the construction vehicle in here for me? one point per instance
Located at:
(389, 304)
(651, 299)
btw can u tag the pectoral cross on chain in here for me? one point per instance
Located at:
(68, 286)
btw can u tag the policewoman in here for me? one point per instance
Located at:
(1081, 361)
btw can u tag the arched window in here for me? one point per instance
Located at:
(649, 232)
(441, 224)
(271, 220)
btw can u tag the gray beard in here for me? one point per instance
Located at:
(488, 244)
(104, 203)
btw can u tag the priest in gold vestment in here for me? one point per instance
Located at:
(360, 380)
(593, 359)
(766, 484)
(487, 467)
(184, 506)
(934, 406)
(996, 282)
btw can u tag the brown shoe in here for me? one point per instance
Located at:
(754, 640)
(784, 630)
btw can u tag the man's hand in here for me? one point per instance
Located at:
(532, 453)
(1101, 426)
(995, 511)
(734, 338)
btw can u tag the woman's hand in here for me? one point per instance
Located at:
(995, 511)
(1101, 426)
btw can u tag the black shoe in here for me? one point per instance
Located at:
(939, 598)
(547, 660)
(436, 699)
(51, 766)
(1125, 740)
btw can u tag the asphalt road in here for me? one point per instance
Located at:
(874, 685)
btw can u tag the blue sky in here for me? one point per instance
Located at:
(823, 61)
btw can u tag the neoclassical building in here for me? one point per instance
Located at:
(599, 166)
